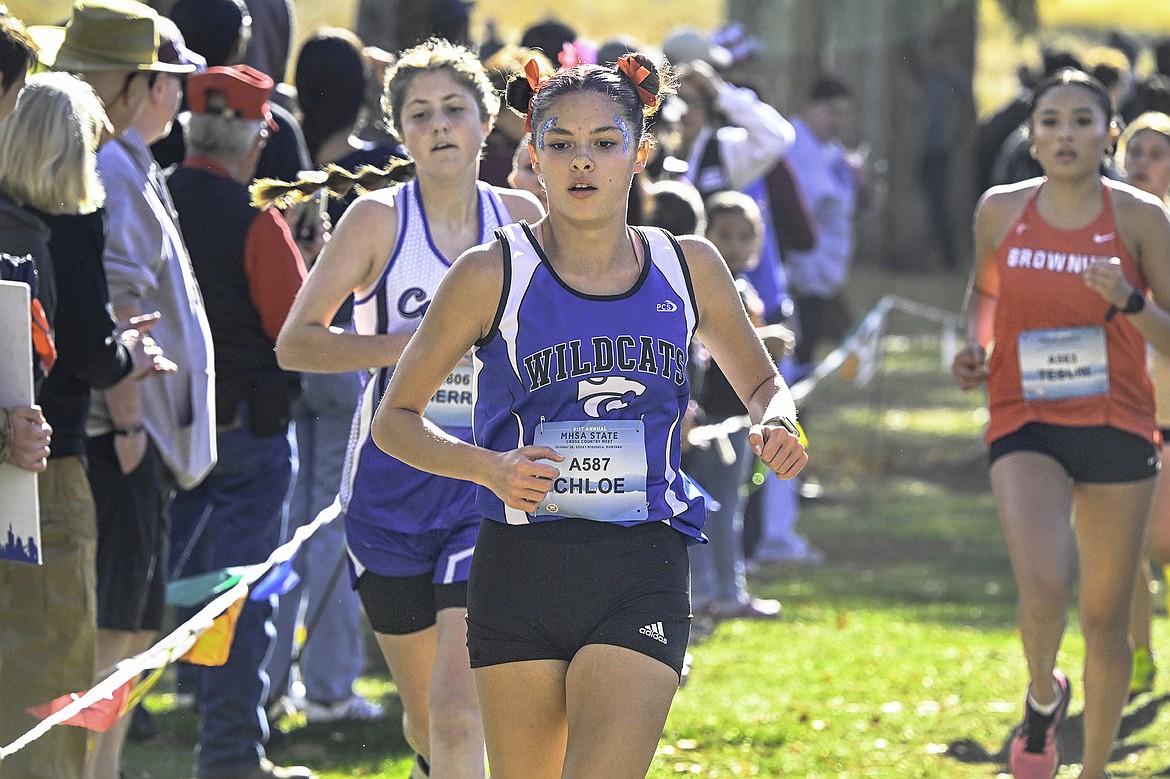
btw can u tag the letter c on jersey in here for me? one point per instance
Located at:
(413, 303)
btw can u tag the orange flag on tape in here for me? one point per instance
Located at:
(213, 645)
(99, 716)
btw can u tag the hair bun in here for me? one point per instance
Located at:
(518, 93)
(643, 75)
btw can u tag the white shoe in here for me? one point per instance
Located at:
(355, 708)
(803, 554)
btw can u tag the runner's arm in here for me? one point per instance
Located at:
(727, 333)
(351, 260)
(460, 314)
(1144, 221)
(970, 363)
(522, 206)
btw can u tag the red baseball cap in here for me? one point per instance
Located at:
(235, 92)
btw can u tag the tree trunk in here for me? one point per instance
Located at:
(887, 50)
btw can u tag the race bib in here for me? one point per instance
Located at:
(1068, 362)
(603, 475)
(452, 405)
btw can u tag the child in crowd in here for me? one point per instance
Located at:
(722, 463)
(522, 175)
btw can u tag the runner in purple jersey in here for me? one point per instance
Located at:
(578, 612)
(410, 534)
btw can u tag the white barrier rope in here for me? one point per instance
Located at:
(180, 640)
(865, 339)
(863, 342)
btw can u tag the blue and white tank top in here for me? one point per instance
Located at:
(600, 378)
(395, 303)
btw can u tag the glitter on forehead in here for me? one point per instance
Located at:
(550, 122)
(625, 128)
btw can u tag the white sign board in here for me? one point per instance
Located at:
(20, 526)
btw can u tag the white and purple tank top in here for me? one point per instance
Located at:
(396, 304)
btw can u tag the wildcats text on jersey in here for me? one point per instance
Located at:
(627, 353)
(1057, 262)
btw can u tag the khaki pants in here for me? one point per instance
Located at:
(47, 626)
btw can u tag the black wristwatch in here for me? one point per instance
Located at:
(1133, 304)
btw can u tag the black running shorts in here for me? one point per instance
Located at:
(543, 591)
(1099, 454)
(399, 605)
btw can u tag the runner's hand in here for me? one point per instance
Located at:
(521, 479)
(779, 448)
(970, 366)
(1106, 278)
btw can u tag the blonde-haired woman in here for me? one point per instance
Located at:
(411, 534)
(50, 199)
(1143, 153)
(48, 151)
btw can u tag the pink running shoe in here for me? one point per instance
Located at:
(1035, 749)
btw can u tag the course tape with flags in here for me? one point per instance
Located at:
(859, 353)
(180, 640)
(859, 356)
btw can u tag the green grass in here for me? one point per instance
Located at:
(896, 658)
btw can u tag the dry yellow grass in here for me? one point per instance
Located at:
(597, 19)
(39, 11)
(1000, 50)
(1138, 16)
(1075, 23)
(601, 19)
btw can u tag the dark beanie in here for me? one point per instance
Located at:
(210, 27)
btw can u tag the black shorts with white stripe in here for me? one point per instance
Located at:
(543, 591)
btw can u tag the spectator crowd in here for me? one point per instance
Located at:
(209, 361)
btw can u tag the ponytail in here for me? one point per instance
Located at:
(333, 179)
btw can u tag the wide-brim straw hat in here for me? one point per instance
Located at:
(105, 35)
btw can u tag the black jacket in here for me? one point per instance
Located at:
(89, 354)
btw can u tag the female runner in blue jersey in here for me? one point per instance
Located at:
(410, 534)
(578, 611)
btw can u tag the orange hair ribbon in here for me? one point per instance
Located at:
(637, 73)
(536, 81)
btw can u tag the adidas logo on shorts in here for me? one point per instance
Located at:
(654, 631)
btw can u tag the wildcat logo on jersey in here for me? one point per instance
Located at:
(626, 353)
(607, 393)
